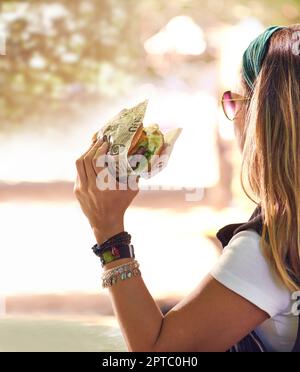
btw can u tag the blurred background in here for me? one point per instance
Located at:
(67, 67)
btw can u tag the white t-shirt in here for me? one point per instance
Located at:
(243, 268)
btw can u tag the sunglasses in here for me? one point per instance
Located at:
(229, 105)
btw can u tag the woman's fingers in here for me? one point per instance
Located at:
(90, 164)
(100, 148)
(80, 165)
(95, 137)
(93, 144)
(99, 160)
(81, 173)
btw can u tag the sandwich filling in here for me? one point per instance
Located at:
(150, 143)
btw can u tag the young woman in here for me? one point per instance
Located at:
(253, 287)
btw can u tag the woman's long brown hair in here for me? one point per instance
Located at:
(271, 152)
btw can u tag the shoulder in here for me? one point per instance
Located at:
(244, 237)
(244, 269)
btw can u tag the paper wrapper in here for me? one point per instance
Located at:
(120, 131)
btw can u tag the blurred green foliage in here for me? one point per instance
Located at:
(64, 53)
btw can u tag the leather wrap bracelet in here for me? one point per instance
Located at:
(114, 248)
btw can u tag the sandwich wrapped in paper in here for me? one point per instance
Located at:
(133, 148)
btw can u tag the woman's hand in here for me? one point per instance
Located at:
(104, 207)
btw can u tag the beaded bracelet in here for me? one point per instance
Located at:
(120, 269)
(113, 279)
(122, 272)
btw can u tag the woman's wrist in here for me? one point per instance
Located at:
(105, 233)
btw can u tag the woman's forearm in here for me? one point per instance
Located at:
(138, 314)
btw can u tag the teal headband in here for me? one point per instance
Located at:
(255, 54)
